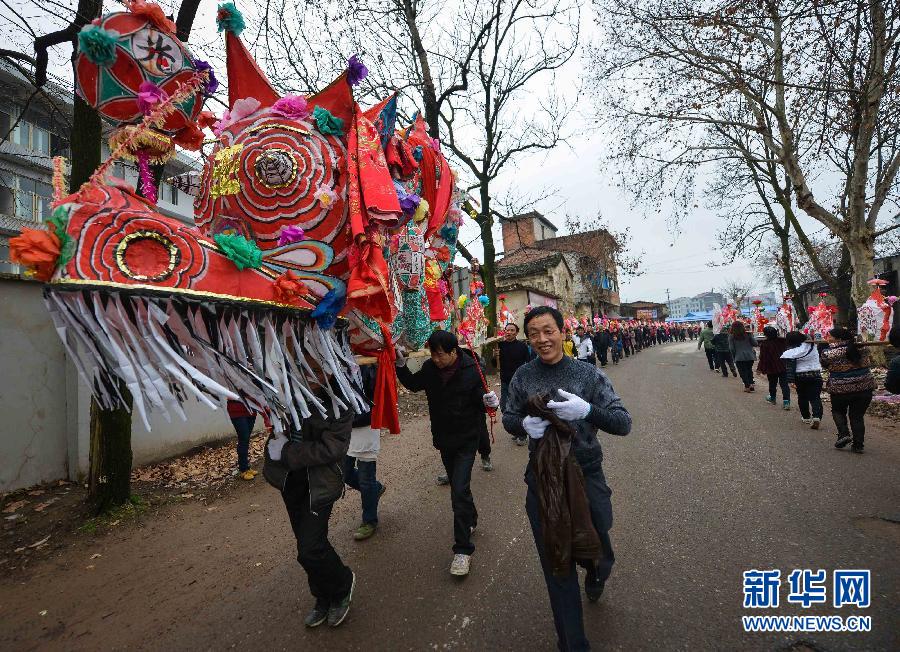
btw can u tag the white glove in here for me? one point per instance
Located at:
(275, 445)
(490, 400)
(401, 356)
(572, 408)
(535, 426)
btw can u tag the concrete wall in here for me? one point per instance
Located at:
(44, 432)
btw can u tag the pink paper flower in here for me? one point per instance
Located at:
(149, 95)
(241, 109)
(325, 196)
(290, 234)
(891, 300)
(292, 107)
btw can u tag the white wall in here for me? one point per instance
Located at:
(45, 406)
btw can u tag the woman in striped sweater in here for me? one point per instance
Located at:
(851, 384)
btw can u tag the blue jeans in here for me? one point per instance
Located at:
(360, 475)
(243, 426)
(565, 592)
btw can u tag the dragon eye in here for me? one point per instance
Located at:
(275, 168)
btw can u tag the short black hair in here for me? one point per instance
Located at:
(795, 338)
(770, 332)
(544, 310)
(709, 324)
(443, 341)
(513, 324)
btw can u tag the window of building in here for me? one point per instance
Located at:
(33, 130)
(27, 199)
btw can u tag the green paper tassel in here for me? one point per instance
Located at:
(98, 44)
(229, 19)
(242, 252)
(59, 220)
(327, 123)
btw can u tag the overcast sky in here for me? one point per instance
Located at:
(673, 261)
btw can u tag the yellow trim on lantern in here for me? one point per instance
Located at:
(278, 125)
(146, 235)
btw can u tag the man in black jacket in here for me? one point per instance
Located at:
(601, 344)
(512, 354)
(456, 406)
(309, 498)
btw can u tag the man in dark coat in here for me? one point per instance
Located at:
(456, 406)
(601, 344)
(512, 354)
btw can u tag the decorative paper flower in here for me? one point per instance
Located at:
(241, 109)
(191, 138)
(229, 19)
(290, 234)
(325, 196)
(328, 309)
(289, 289)
(409, 202)
(152, 12)
(59, 222)
(212, 84)
(891, 300)
(422, 211)
(461, 302)
(242, 252)
(292, 107)
(36, 249)
(823, 294)
(149, 95)
(356, 71)
(327, 123)
(98, 44)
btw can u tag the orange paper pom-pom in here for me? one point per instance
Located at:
(36, 249)
(289, 289)
(153, 13)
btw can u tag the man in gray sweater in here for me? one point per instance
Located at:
(584, 397)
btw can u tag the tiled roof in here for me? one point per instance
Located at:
(527, 288)
(525, 261)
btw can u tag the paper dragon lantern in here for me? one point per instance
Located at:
(876, 315)
(759, 320)
(130, 63)
(821, 319)
(785, 321)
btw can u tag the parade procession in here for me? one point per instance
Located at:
(292, 358)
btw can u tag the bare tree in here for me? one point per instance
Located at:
(817, 82)
(737, 291)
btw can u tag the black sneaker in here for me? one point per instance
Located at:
(593, 585)
(856, 448)
(842, 441)
(318, 615)
(340, 609)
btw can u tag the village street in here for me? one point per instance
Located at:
(710, 483)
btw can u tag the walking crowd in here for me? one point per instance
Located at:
(795, 361)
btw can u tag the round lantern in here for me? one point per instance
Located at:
(123, 50)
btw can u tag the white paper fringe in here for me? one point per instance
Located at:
(166, 349)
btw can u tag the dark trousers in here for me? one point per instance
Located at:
(329, 579)
(745, 369)
(779, 379)
(243, 426)
(809, 396)
(601, 353)
(726, 360)
(711, 358)
(361, 475)
(504, 392)
(484, 444)
(855, 405)
(565, 592)
(458, 465)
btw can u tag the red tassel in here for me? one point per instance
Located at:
(384, 411)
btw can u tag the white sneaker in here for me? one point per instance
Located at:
(460, 565)
(806, 421)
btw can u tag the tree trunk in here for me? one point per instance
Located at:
(488, 266)
(842, 288)
(861, 255)
(789, 282)
(109, 478)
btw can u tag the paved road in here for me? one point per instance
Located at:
(710, 483)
